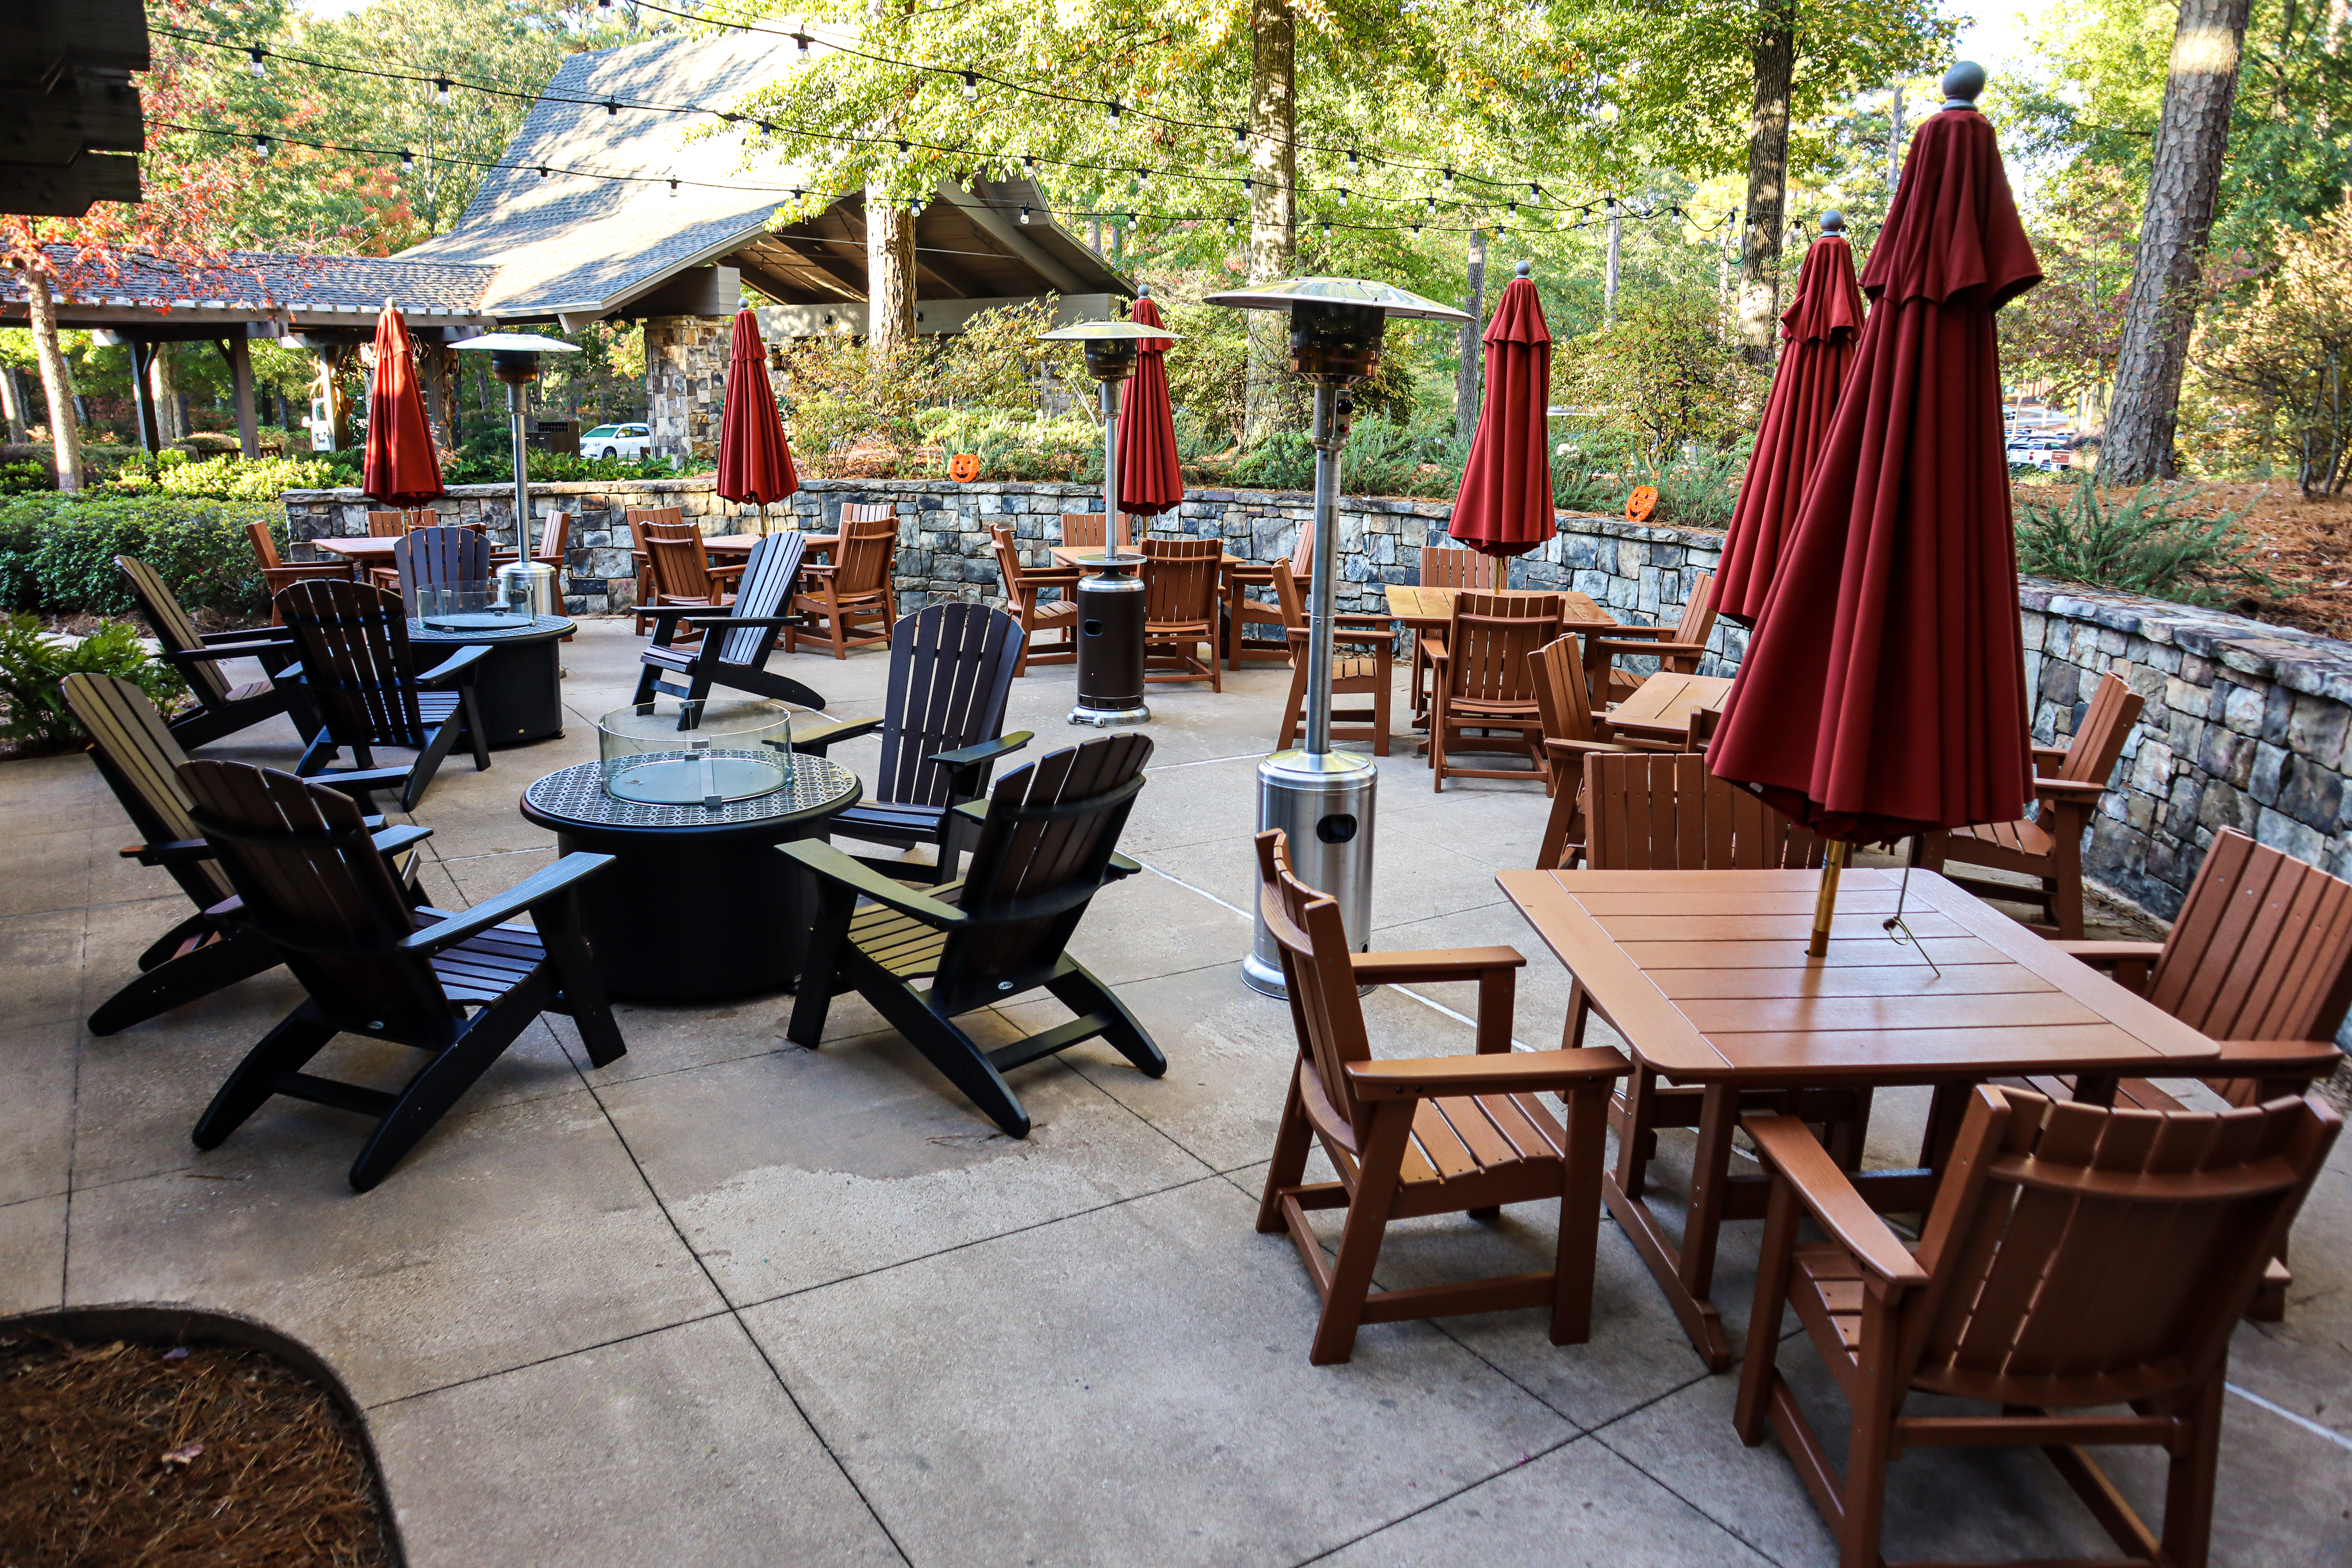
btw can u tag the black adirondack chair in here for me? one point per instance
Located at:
(359, 672)
(1047, 841)
(221, 709)
(137, 755)
(951, 669)
(739, 660)
(458, 985)
(441, 558)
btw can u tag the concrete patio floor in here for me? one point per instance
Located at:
(730, 1301)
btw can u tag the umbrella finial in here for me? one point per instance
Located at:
(1962, 84)
(1832, 221)
(1143, 291)
(1523, 267)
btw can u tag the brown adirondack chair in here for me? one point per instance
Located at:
(221, 709)
(1366, 671)
(1483, 680)
(360, 674)
(2048, 844)
(1246, 612)
(1180, 609)
(638, 518)
(1048, 843)
(139, 757)
(1441, 566)
(733, 649)
(1081, 527)
(459, 985)
(1429, 1136)
(279, 575)
(1573, 733)
(852, 590)
(2076, 1259)
(1037, 617)
(1678, 647)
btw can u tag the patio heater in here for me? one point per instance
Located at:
(1322, 799)
(514, 359)
(1110, 601)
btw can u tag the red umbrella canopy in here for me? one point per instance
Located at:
(1884, 691)
(1150, 479)
(754, 464)
(1821, 329)
(1504, 507)
(399, 467)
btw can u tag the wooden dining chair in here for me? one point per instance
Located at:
(1037, 615)
(1047, 842)
(360, 674)
(1573, 733)
(1484, 679)
(1179, 610)
(1429, 1135)
(1366, 669)
(732, 648)
(395, 525)
(278, 574)
(1678, 647)
(221, 709)
(851, 591)
(1444, 567)
(1081, 528)
(551, 549)
(682, 569)
(439, 558)
(639, 518)
(457, 985)
(2075, 1259)
(2048, 846)
(1244, 613)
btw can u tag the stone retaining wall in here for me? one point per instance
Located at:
(2246, 724)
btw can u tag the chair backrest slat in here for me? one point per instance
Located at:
(1445, 568)
(2106, 724)
(681, 564)
(134, 750)
(441, 558)
(173, 625)
(1302, 554)
(1180, 579)
(865, 552)
(1488, 645)
(1319, 974)
(1286, 600)
(1662, 811)
(868, 512)
(760, 593)
(554, 536)
(356, 661)
(1698, 611)
(1080, 528)
(1561, 696)
(2262, 950)
(950, 676)
(1008, 560)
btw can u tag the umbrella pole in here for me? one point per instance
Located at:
(1825, 905)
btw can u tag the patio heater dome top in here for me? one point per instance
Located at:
(514, 356)
(1110, 346)
(1387, 299)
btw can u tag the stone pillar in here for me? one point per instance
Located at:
(686, 382)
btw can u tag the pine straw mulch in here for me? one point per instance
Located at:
(117, 1454)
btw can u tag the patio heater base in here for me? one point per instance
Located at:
(1323, 804)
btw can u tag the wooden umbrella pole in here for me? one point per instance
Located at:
(1825, 906)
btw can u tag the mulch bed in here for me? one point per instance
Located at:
(117, 1454)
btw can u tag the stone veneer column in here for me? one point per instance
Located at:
(686, 382)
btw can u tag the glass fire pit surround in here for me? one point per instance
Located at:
(673, 751)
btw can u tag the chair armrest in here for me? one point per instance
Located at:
(1433, 965)
(2069, 791)
(1366, 618)
(1660, 648)
(315, 569)
(1787, 1145)
(1588, 748)
(2099, 954)
(458, 664)
(837, 730)
(1500, 1072)
(519, 899)
(178, 852)
(361, 779)
(1120, 868)
(1624, 630)
(826, 861)
(181, 656)
(392, 840)
(669, 615)
(284, 635)
(2048, 759)
(982, 752)
(726, 569)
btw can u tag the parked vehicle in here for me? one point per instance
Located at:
(618, 441)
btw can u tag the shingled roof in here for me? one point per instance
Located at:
(256, 284)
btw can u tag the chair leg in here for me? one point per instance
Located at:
(581, 988)
(428, 763)
(944, 1045)
(1360, 1242)
(821, 965)
(214, 966)
(2065, 883)
(1580, 1214)
(1077, 989)
(1292, 1143)
(1750, 1415)
(1293, 705)
(1563, 823)
(443, 1081)
(2188, 1481)
(836, 623)
(1437, 742)
(470, 708)
(1383, 693)
(1877, 1396)
(284, 1049)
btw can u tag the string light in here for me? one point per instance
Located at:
(441, 90)
(612, 107)
(408, 163)
(1249, 186)
(253, 59)
(1241, 141)
(1432, 204)
(1355, 161)
(970, 84)
(1029, 163)
(1535, 192)
(1024, 212)
(1113, 107)
(542, 173)
(1416, 228)
(262, 146)
(1326, 228)
(673, 190)
(1449, 179)
(1229, 228)
(802, 40)
(1142, 178)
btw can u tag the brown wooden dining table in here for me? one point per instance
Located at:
(736, 546)
(1660, 708)
(1705, 974)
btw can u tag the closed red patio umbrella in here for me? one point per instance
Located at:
(754, 464)
(1882, 694)
(399, 467)
(1819, 330)
(1504, 507)
(1150, 479)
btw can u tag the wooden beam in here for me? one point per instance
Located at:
(1006, 232)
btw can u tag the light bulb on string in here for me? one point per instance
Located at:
(262, 146)
(1112, 107)
(1343, 195)
(802, 40)
(1229, 228)
(1432, 204)
(1535, 192)
(1326, 228)
(612, 107)
(1355, 161)
(254, 56)
(1241, 140)
(970, 84)
(1142, 178)
(1024, 212)
(1449, 179)
(1029, 163)
(408, 163)
(1249, 186)
(542, 173)
(1416, 228)
(441, 90)
(673, 190)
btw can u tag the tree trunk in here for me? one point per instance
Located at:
(163, 390)
(2190, 140)
(1609, 276)
(11, 403)
(1274, 208)
(1775, 57)
(65, 434)
(1466, 370)
(889, 277)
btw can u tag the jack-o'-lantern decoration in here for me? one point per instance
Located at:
(964, 467)
(1641, 504)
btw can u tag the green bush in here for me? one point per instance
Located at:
(1598, 471)
(2152, 543)
(22, 479)
(490, 460)
(229, 476)
(57, 551)
(33, 713)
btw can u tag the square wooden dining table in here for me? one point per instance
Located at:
(1660, 708)
(1707, 977)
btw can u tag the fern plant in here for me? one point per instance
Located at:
(33, 714)
(2147, 543)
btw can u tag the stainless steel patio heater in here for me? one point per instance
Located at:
(1110, 599)
(514, 359)
(1322, 799)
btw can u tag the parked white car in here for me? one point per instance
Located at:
(616, 441)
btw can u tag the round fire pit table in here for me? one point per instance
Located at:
(693, 906)
(520, 684)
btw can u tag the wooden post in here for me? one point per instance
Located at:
(142, 396)
(240, 378)
(1825, 906)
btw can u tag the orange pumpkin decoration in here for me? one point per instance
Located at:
(1641, 504)
(964, 467)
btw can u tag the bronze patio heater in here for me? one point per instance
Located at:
(1322, 799)
(1111, 602)
(514, 359)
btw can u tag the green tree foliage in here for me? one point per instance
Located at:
(1664, 375)
(2284, 350)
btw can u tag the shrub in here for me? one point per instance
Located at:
(228, 477)
(1598, 471)
(490, 460)
(1012, 444)
(21, 478)
(33, 713)
(1666, 371)
(2150, 543)
(57, 551)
